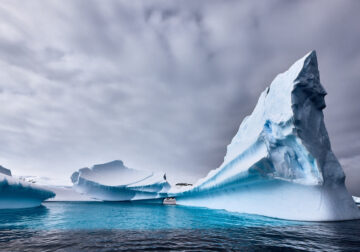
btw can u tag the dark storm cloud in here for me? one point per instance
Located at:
(162, 85)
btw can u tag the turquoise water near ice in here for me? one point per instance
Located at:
(100, 226)
(131, 216)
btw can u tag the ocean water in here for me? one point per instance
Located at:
(97, 226)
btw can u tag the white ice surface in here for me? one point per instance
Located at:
(356, 199)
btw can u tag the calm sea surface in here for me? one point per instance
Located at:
(99, 226)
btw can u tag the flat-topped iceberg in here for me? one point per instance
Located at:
(15, 193)
(280, 163)
(113, 181)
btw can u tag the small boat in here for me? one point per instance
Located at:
(169, 201)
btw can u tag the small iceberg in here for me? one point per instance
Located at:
(356, 200)
(15, 193)
(114, 181)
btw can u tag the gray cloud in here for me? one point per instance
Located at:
(161, 85)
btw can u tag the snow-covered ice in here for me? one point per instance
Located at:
(16, 193)
(113, 181)
(280, 163)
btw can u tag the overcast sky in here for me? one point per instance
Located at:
(162, 85)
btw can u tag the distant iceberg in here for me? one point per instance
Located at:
(15, 193)
(356, 200)
(280, 163)
(62, 188)
(113, 181)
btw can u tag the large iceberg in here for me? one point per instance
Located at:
(15, 193)
(280, 163)
(113, 181)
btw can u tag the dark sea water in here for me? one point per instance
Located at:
(99, 226)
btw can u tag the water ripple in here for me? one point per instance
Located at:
(129, 227)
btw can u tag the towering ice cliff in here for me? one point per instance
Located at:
(15, 193)
(280, 162)
(115, 182)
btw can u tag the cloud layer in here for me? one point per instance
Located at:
(162, 85)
